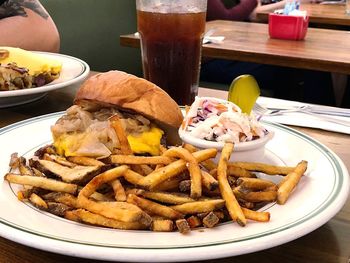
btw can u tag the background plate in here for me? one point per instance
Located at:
(318, 197)
(74, 70)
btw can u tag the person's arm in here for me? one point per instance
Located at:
(217, 10)
(263, 8)
(26, 24)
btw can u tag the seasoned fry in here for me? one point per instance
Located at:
(162, 225)
(119, 191)
(156, 177)
(168, 198)
(287, 185)
(255, 197)
(199, 206)
(254, 183)
(131, 159)
(123, 140)
(42, 182)
(193, 167)
(70, 175)
(153, 207)
(208, 181)
(231, 202)
(38, 202)
(255, 215)
(85, 161)
(263, 168)
(95, 219)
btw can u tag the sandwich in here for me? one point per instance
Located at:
(149, 117)
(21, 69)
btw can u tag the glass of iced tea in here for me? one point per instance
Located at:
(171, 33)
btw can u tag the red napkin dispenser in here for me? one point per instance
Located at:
(288, 27)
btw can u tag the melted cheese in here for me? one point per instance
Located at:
(36, 63)
(147, 142)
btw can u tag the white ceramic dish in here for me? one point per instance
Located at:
(74, 70)
(319, 196)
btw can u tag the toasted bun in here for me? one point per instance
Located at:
(132, 93)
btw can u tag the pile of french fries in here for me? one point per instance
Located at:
(179, 190)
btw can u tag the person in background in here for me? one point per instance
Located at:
(27, 25)
(287, 83)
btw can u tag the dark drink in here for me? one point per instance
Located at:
(171, 51)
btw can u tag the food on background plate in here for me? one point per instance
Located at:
(107, 166)
(21, 69)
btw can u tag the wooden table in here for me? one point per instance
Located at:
(328, 244)
(323, 49)
(322, 15)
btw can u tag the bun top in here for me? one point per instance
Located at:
(131, 93)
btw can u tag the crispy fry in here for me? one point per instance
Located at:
(131, 159)
(156, 177)
(231, 202)
(168, 198)
(38, 202)
(199, 206)
(239, 172)
(58, 159)
(63, 198)
(255, 215)
(123, 140)
(207, 164)
(85, 161)
(193, 167)
(23, 168)
(208, 181)
(42, 182)
(254, 197)
(95, 219)
(119, 191)
(254, 183)
(263, 168)
(57, 209)
(287, 185)
(162, 225)
(132, 176)
(153, 207)
(70, 175)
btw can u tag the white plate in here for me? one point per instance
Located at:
(318, 197)
(74, 70)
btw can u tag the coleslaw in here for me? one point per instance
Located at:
(218, 120)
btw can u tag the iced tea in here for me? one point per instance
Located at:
(171, 51)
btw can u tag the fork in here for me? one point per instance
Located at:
(262, 111)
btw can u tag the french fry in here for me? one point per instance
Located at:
(58, 159)
(239, 172)
(23, 168)
(263, 168)
(194, 221)
(287, 185)
(231, 202)
(123, 140)
(208, 181)
(63, 198)
(131, 159)
(199, 206)
(254, 183)
(162, 225)
(42, 182)
(168, 198)
(255, 215)
(85, 161)
(255, 197)
(207, 164)
(193, 167)
(38, 202)
(119, 191)
(153, 207)
(95, 219)
(132, 177)
(156, 177)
